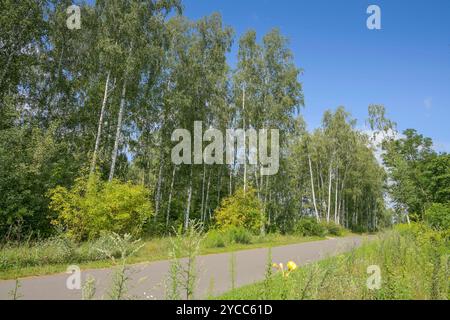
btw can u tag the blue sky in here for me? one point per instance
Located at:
(405, 65)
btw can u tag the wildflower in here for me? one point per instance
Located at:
(291, 266)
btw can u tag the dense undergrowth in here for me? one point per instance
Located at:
(413, 261)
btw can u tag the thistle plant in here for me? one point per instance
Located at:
(14, 293)
(126, 247)
(182, 272)
(233, 270)
(268, 275)
(88, 290)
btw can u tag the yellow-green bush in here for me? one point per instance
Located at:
(438, 216)
(242, 209)
(93, 206)
(333, 229)
(308, 227)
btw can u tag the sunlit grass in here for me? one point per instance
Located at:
(33, 260)
(413, 264)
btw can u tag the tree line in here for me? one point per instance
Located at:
(105, 99)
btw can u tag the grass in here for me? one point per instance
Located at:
(54, 256)
(413, 262)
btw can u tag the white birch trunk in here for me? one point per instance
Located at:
(119, 130)
(312, 188)
(100, 124)
(203, 192)
(336, 211)
(188, 206)
(170, 196)
(329, 194)
(158, 188)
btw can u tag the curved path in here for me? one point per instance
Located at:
(214, 276)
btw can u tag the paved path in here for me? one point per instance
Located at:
(147, 279)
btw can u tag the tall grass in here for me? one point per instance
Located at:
(413, 263)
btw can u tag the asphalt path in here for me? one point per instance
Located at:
(148, 280)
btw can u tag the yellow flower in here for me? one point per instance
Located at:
(291, 266)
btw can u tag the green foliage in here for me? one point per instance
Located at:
(438, 216)
(31, 162)
(58, 250)
(55, 250)
(420, 176)
(308, 227)
(215, 239)
(92, 207)
(333, 228)
(127, 247)
(231, 235)
(411, 268)
(240, 210)
(239, 235)
(183, 273)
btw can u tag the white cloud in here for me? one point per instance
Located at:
(428, 103)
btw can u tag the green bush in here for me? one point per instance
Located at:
(333, 228)
(240, 210)
(438, 216)
(58, 249)
(93, 206)
(96, 250)
(309, 227)
(239, 235)
(215, 239)
(222, 238)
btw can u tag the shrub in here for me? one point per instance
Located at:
(309, 227)
(215, 239)
(241, 210)
(97, 250)
(438, 216)
(92, 207)
(333, 228)
(222, 238)
(58, 249)
(239, 235)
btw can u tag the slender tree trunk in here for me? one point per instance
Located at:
(336, 198)
(170, 197)
(263, 229)
(119, 130)
(207, 196)
(231, 182)
(312, 188)
(100, 124)
(245, 141)
(407, 217)
(158, 188)
(203, 192)
(219, 186)
(188, 206)
(329, 194)
(258, 191)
